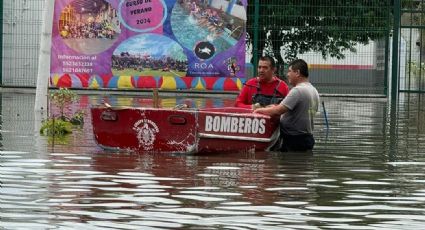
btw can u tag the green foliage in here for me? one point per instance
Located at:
(61, 124)
(410, 4)
(55, 127)
(62, 98)
(58, 140)
(78, 118)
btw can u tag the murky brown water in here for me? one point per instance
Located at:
(367, 172)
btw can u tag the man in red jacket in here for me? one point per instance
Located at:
(263, 90)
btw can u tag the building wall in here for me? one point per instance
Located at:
(360, 72)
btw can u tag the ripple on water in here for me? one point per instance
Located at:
(136, 181)
(405, 163)
(387, 198)
(291, 203)
(20, 225)
(149, 200)
(211, 193)
(286, 189)
(365, 182)
(223, 168)
(203, 188)
(363, 208)
(202, 211)
(267, 209)
(200, 198)
(159, 213)
(148, 224)
(88, 182)
(397, 216)
(235, 203)
(207, 175)
(400, 224)
(135, 174)
(372, 191)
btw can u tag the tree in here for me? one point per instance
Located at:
(292, 27)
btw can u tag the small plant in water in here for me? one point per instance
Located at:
(61, 124)
(55, 127)
(78, 118)
(61, 99)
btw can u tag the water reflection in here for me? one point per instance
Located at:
(363, 174)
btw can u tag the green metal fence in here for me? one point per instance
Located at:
(345, 42)
(21, 24)
(412, 47)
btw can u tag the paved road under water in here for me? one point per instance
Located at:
(367, 172)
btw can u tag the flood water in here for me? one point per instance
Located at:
(367, 171)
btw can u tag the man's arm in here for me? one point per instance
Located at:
(273, 110)
(240, 104)
(289, 102)
(242, 99)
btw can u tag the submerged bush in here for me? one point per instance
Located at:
(61, 124)
(55, 127)
(78, 118)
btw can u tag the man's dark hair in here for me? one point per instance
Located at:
(269, 59)
(300, 65)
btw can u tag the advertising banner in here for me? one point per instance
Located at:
(166, 44)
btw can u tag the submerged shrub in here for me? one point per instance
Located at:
(55, 127)
(78, 118)
(60, 124)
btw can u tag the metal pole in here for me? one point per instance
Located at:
(395, 55)
(387, 52)
(394, 82)
(255, 40)
(1, 42)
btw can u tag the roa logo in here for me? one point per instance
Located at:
(146, 133)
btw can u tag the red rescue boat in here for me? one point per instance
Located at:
(173, 130)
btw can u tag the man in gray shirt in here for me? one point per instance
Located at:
(297, 110)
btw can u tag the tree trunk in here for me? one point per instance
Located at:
(276, 42)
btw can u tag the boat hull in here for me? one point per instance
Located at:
(182, 130)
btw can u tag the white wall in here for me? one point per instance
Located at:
(365, 55)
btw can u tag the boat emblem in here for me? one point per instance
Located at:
(146, 133)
